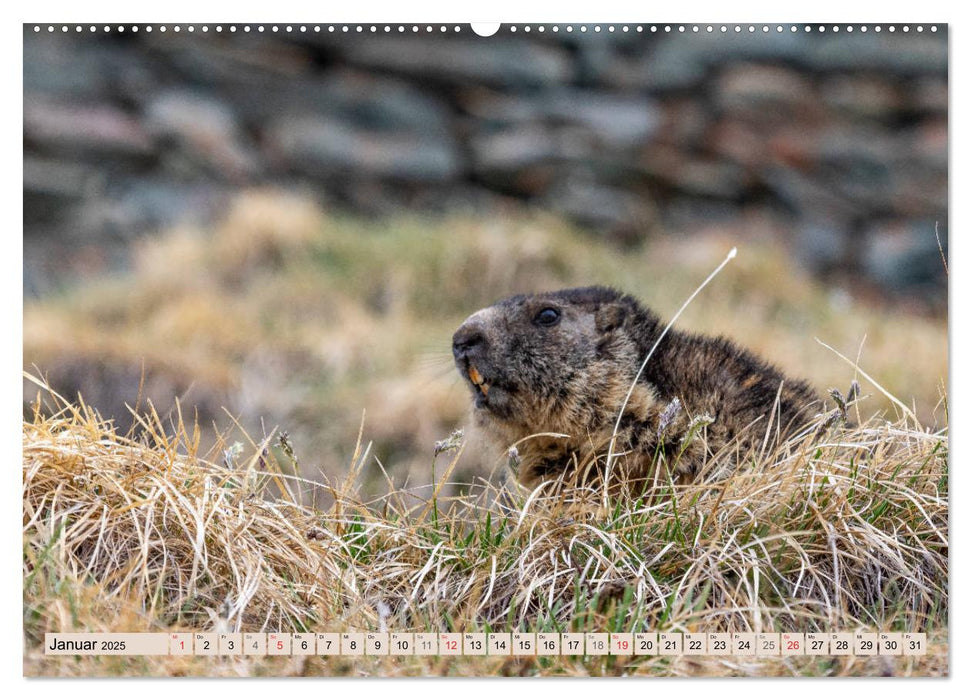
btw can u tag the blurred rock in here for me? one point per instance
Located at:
(883, 53)
(766, 93)
(807, 197)
(516, 148)
(690, 214)
(594, 61)
(329, 148)
(859, 163)
(929, 143)
(863, 96)
(681, 62)
(497, 62)
(382, 104)
(672, 68)
(684, 122)
(84, 131)
(66, 69)
(617, 213)
(240, 60)
(930, 96)
(151, 205)
(701, 176)
(52, 188)
(822, 243)
(919, 191)
(905, 255)
(614, 120)
(490, 108)
(204, 130)
(741, 142)
(794, 145)
(81, 69)
(821, 135)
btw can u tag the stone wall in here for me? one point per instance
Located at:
(835, 142)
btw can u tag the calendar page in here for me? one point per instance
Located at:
(515, 349)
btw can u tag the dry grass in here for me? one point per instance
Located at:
(841, 530)
(287, 315)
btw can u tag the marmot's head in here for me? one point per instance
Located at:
(552, 362)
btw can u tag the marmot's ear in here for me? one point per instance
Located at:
(610, 317)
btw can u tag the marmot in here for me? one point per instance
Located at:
(550, 372)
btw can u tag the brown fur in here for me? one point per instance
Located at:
(569, 377)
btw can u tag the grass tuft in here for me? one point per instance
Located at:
(843, 529)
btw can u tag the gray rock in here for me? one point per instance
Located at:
(526, 159)
(615, 120)
(61, 66)
(328, 148)
(691, 174)
(685, 122)
(368, 100)
(52, 189)
(612, 120)
(905, 254)
(770, 47)
(710, 178)
(612, 211)
(257, 103)
(594, 61)
(807, 196)
(929, 95)
(740, 141)
(253, 60)
(148, 205)
(863, 96)
(259, 76)
(204, 130)
(683, 61)
(928, 142)
(844, 143)
(919, 189)
(84, 130)
(665, 71)
(84, 68)
(382, 104)
(859, 162)
(821, 243)
(61, 180)
(685, 213)
(596, 53)
(512, 149)
(886, 53)
(491, 108)
(496, 61)
(765, 93)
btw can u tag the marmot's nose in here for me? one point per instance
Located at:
(467, 338)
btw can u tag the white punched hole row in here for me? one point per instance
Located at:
(428, 28)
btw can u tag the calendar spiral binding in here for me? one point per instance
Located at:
(424, 29)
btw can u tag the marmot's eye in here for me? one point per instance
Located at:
(547, 317)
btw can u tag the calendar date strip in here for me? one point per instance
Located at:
(376, 644)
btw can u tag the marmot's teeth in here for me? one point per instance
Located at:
(478, 380)
(475, 376)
